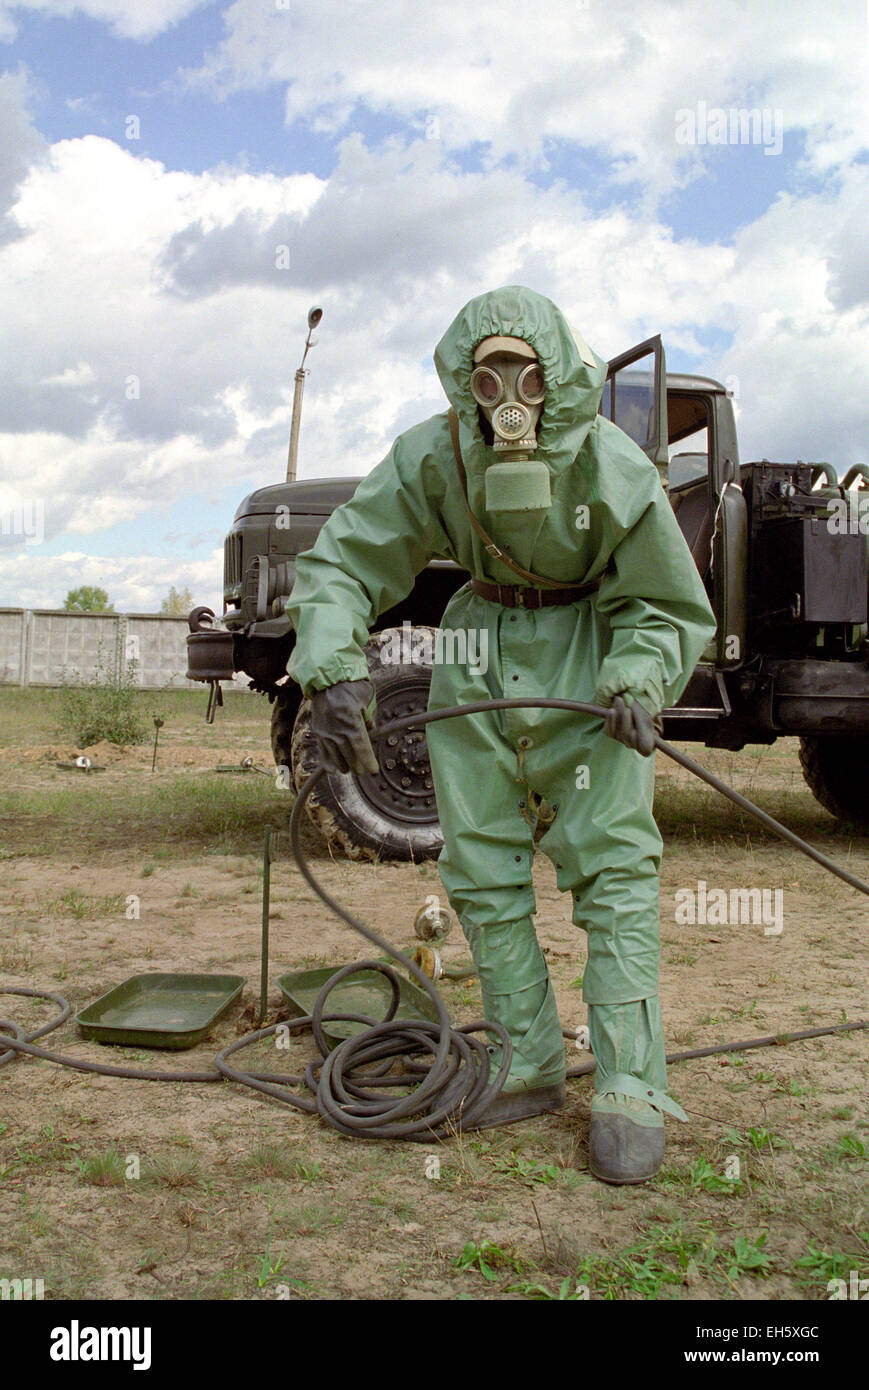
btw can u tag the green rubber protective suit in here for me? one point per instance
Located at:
(639, 635)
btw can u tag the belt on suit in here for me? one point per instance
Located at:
(522, 596)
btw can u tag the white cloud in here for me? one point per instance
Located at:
(152, 335)
(134, 583)
(129, 19)
(20, 143)
(609, 77)
(392, 246)
(82, 374)
(800, 314)
(83, 285)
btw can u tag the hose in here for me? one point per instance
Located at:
(346, 1097)
(21, 1042)
(581, 707)
(350, 1084)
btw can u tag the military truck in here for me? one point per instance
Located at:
(781, 548)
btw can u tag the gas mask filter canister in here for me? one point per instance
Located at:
(507, 383)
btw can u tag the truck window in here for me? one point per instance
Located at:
(634, 400)
(689, 459)
(688, 437)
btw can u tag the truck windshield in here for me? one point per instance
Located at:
(689, 459)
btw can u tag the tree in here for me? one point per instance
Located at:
(177, 605)
(88, 599)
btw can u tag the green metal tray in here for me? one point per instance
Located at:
(156, 1010)
(368, 993)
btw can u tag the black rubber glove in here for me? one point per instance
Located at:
(338, 723)
(631, 725)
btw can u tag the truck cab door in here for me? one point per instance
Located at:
(635, 399)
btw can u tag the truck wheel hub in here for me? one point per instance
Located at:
(403, 788)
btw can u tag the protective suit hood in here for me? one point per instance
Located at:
(575, 375)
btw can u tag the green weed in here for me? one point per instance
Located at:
(526, 1170)
(820, 1266)
(103, 1170)
(849, 1146)
(108, 706)
(749, 1257)
(489, 1260)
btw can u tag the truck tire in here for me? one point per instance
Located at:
(836, 769)
(393, 814)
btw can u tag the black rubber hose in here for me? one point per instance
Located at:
(413, 721)
(454, 1089)
(337, 1096)
(22, 1043)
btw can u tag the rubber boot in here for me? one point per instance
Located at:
(626, 1141)
(518, 994)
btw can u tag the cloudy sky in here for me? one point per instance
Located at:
(181, 179)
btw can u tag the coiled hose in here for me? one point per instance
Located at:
(446, 1070)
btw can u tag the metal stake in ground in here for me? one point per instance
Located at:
(158, 724)
(264, 952)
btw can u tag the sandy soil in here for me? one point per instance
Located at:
(240, 1197)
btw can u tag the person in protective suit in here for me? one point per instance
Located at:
(524, 480)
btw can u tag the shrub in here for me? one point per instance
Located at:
(108, 706)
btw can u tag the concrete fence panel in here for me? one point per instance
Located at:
(67, 648)
(13, 640)
(46, 647)
(159, 645)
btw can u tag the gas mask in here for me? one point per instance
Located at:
(508, 385)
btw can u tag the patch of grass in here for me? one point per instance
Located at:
(16, 957)
(268, 1267)
(670, 1257)
(309, 1220)
(192, 812)
(46, 1149)
(270, 1160)
(173, 1170)
(27, 716)
(796, 1088)
(760, 1138)
(756, 1137)
(529, 1171)
(703, 1177)
(849, 1146)
(818, 1267)
(76, 904)
(103, 1170)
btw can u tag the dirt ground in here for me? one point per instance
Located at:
(125, 1189)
